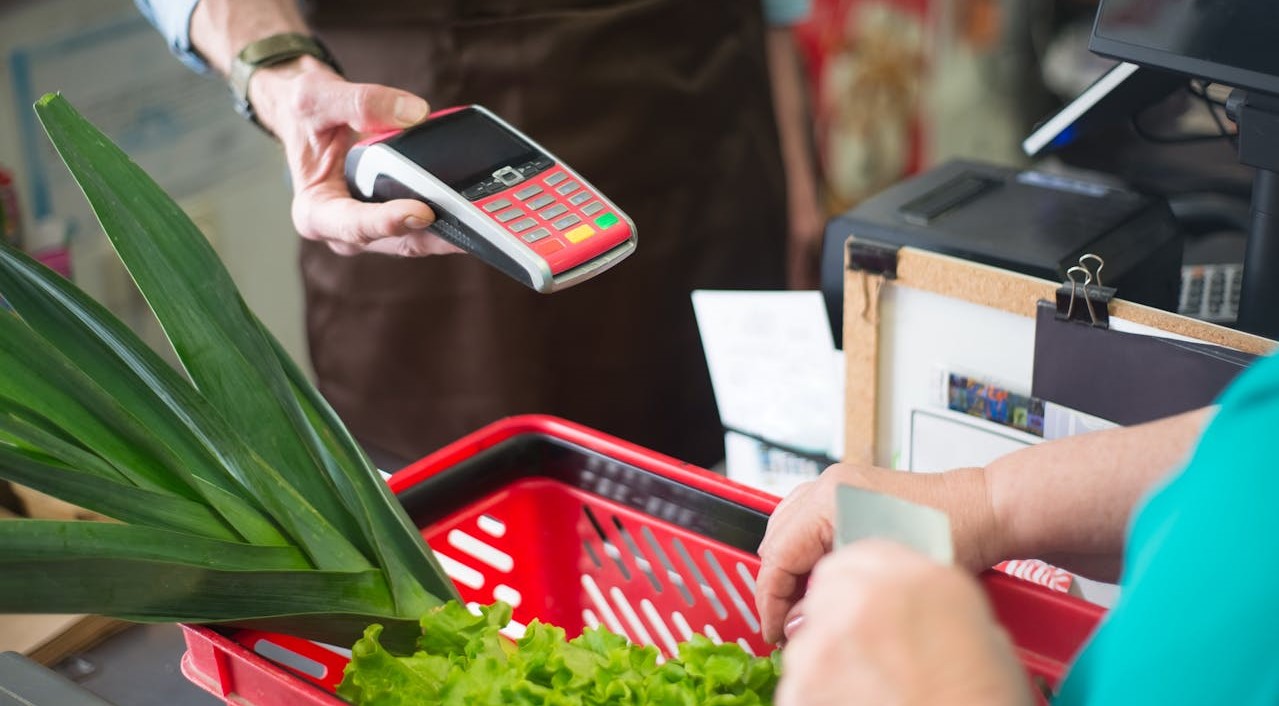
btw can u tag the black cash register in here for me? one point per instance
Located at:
(1024, 220)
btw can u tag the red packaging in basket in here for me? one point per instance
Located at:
(577, 528)
(12, 229)
(1038, 572)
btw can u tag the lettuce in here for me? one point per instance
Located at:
(462, 658)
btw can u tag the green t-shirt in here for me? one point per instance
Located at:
(1197, 621)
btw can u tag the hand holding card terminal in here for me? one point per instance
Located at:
(497, 195)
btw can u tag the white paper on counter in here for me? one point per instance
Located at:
(774, 367)
(765, 467)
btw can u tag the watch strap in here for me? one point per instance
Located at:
(270, 51)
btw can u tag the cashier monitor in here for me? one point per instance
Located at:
(1225, 41)
(1230, 42)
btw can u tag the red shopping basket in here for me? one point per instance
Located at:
(576, 528)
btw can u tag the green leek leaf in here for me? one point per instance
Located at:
(85, 329)
(120, 501)
(411, 566)
(135, 377)
(152, 576)
(37, 540)
(25, 430)
(196, 302)
(246, 500)
(146, 588)
(58, 390)
(39, 377)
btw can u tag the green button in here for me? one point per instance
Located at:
(606, 220)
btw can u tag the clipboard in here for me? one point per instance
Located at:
(997, 301)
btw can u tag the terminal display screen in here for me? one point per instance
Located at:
(462, 147)
(1226, 41)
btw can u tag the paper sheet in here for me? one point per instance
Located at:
(775, 371)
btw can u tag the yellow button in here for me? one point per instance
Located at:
(579, 234)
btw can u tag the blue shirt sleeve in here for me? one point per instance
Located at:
(786, 12)
(173, 19)
(1195, 622)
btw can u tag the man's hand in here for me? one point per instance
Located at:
(801, 529)
(318, 116)
(889, 627)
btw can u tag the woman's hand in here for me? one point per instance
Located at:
(889, 627)
(801, 529)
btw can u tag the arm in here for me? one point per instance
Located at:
(317, 115)
(1066, 500)
(220, 28)
(805, 216)
(1069, 501)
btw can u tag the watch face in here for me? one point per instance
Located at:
(463, 147)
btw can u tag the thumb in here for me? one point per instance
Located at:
(368, 107)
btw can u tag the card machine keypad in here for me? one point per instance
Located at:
(548, 210)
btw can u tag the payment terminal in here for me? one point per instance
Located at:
(497, 195)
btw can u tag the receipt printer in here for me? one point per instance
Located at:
(1027, 221)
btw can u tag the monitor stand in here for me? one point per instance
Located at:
(1257, 115)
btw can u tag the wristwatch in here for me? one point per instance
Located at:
(272, 50)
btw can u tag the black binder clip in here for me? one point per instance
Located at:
(1082, 297)
(872, 257)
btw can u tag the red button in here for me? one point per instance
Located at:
(547, 246)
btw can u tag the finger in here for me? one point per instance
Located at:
(322, 214)
(840, 578)
(795, 495)
(869, 562)
(803, 676)
(364, 107)
(872, 555)
(794, 621)
(784, 570)
(798, 536)
(776, 591)
(797, 501)
(885, 555)
(344, 249)
(413, 245)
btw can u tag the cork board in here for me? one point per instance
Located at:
(997, 290)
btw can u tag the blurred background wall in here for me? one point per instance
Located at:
(179, 126)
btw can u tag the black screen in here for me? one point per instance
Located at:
(1234, 42)
(463, 147)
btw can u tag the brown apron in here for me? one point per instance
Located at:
(664, 105)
